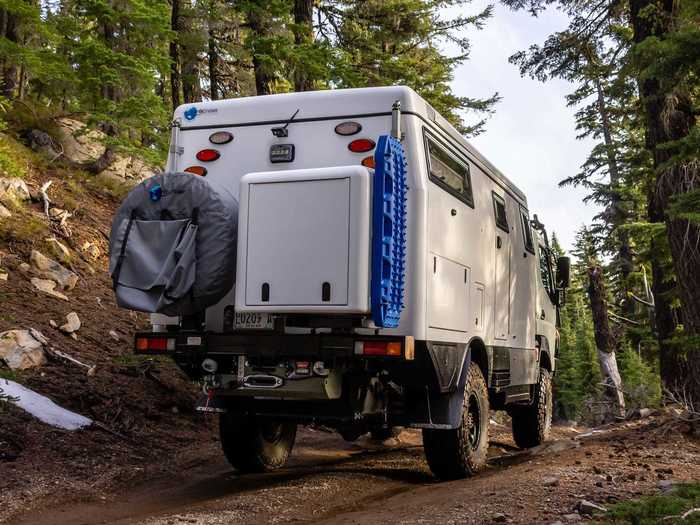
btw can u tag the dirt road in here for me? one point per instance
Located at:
(330, 481)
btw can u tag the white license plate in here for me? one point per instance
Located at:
(252, 321)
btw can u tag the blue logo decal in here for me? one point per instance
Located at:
(155, 193)
(191, 113)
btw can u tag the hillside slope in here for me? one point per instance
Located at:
(143, 408)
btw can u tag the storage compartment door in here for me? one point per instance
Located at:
(448, 295)
(297, 243)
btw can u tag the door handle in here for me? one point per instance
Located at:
(543, 315)
(499, 242)
(453, 212)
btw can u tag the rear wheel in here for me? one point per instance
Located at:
(252, 444)
(531, 424)
(460, 452)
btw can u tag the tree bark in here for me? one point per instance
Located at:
(259, 28)
(669, 117)
(303, 35)
(605, 341)
(213, 62)
(175, 80)
(9, 73)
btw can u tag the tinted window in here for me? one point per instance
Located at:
(545, 273)
(499, 208)
(448, 172)
(527, 232)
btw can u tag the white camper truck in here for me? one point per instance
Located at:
(386, 275)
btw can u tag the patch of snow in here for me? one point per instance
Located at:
(42, 407)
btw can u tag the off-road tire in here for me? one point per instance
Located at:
(384, 433)
(532, 423)
(461, 452)
(255, 445)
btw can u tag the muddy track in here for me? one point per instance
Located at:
(330, 481)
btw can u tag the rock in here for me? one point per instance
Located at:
(3, 275)
(48, 287)
(56, 213)
(557, 523)
(52, 270)
(91, 249)
(499, 517)
(22, 349)
(571, 517)
(4, 212)
(599, 484)
(53, 323)
(24, 267)
(589, 508)
(642, 413)
(73, 324)
(59, 248)
(13, 189)
(550, 481)
(41, 142)
(666, 486)
(114, 335)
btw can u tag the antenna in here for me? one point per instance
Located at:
(282, 132)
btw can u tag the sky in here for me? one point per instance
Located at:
(531, 137)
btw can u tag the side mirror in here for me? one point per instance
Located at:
(563, 272)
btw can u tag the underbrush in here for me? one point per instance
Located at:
(661, 508)
(13, 158)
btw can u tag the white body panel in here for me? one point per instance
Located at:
(458, 285)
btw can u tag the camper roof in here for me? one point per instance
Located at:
(332, 104)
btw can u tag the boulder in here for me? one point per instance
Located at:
(48, 287)
(14, 189)
(589, 508)
(72, 325)
(22, 349)
(4, 212)
(52, 270)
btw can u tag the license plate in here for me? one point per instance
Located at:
(252, 321)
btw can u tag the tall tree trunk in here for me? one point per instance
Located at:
(259, 28)
(175, 81)
(213, 62)
(670, 117)
(303, 35)
(9, 73)
(605, 341)
(618, 215)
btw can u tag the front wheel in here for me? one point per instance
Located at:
(531, 424)
(252, 444)
(460, 452)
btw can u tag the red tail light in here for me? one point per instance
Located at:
(208, 155)
(368, 162)
(378, 348)
(361, 145)
(155, 344)
(197, 170)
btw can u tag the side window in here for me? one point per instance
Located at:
(499, 209)
(449, 172)
(545, 273)
(527, 232)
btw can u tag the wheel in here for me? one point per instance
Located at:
(531, 424)
(384, 433)
(251, 444)
(458, 453)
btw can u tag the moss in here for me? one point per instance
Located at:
(660, 508)
(23, 226)
(13, 158)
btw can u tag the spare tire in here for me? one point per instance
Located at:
(173, 245)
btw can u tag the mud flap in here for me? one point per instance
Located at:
(439, 410)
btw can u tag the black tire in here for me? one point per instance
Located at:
(461, 452)
(255, 445)
(532, 423)
(384, 433)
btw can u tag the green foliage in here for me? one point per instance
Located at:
(23, 227)
(641, 381)
(12, 163)
(660, 508)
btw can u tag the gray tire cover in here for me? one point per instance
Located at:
(177, 251)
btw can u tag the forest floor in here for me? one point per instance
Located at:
(330, 481)
(151, 459)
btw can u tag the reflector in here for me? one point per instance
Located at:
(368, 162)
(361, 145)
(208, 155)
(220, 137)
(197, 170)
(348, 128)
